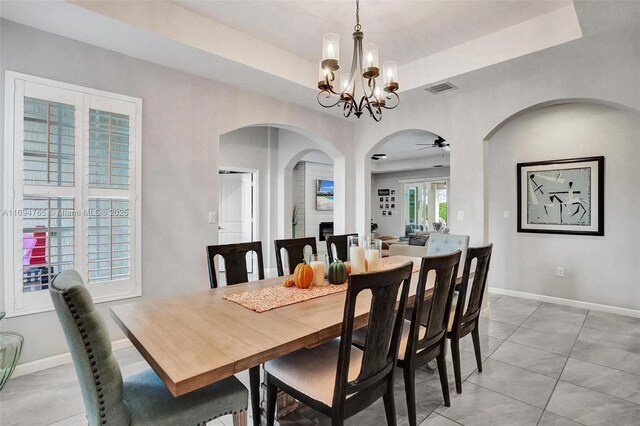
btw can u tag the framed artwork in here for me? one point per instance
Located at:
(393, 192)
(393, 199)
(386, 199)
(393, 206)
(561, 196)
(382, 192)
(390, 213)
(384, 212)
(324, 195)
(381, 206)
(386, 206)
(381, 199)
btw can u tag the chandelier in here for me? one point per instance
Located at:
(362, 74)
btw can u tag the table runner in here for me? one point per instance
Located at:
(265, 299)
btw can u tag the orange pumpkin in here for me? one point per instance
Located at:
(303, 275)
(289, 282)
(347, 265)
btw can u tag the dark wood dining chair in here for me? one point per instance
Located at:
(295, 252)
(340, 242)
(424, 335)
(338, 379)
(468, 306)
(235, 262)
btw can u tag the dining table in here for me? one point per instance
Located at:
(194, 339)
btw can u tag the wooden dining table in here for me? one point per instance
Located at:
(195, 339)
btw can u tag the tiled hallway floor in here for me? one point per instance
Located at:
(543, 364)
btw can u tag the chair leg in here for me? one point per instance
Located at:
(476, 347)
(410, 391)
(254, 391)
(444, 379)
(272, 396)
(240, 419)
(455, 355)
(390, 404)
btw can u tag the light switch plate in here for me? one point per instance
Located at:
(460, 216)
(506, 215)
(212, 217)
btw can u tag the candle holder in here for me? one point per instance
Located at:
(374, 255)
(357, 253)
(317, 263)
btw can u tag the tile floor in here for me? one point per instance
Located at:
(543, 364)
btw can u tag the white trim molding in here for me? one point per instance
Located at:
(567, 302)
(57, 360)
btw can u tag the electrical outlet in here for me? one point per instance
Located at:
(560, 271)
(212, 217)
(506, 215)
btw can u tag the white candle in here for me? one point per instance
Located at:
(373, 259)
(318, 272)
(357, 257)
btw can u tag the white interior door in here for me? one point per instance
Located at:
(236, 211)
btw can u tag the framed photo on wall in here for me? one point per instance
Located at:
(561, 196)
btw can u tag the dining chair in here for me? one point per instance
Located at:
(448, 243)
(468, 306)
(338, 379)
(140, 398)
(424, 335)
(340, 244)
(295, 252)
(235, 262)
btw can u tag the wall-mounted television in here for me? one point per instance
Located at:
(324, 195)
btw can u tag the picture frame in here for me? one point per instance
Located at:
(393, 206)
(381, 206)
(386, 199)
(393, 199)
(561, 196)
(386, 206)
(393, 192)
(389, 213)
(382, 199)
(384, 212)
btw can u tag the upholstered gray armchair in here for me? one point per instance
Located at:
(139, 399)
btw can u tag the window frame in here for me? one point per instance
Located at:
(17, 87)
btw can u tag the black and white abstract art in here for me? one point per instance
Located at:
(561, 196)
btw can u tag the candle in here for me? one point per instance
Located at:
(357, 256)
(370, 59)
(318, 272)
(373, 259)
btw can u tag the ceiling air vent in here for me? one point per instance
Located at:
(441, 88)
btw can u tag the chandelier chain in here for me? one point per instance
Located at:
(357, 27)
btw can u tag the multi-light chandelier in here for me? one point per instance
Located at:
(364, 71)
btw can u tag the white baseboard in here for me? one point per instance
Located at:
(567, 302)
(56, 360)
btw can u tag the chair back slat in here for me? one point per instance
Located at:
(295, 252)
(235, 262)
(340, 244)
(475, 291)
(445, 269)
(389, 290)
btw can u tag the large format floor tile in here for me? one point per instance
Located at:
(607, 349)
(479, 406)
(556, 343)
(514, 304)
(614, 323)
(436, 419)
(550, 419)
(532, 359)
(552, 327)
(561, 313)
(507, 317)
(487, 344)
(497, 330)
(592, 408)
(603, 379)
(518, 383)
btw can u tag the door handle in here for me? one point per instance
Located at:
(220, 227)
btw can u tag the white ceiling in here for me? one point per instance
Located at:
(403, 147)
(405, 30)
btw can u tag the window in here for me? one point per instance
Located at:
(72, 199)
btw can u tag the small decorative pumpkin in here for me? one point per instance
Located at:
(337, 273)
(303, 275)
(347, 265)
(289, 282)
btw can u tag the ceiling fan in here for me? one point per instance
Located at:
(438, 143)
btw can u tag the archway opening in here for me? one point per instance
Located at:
(409, 184)
(285, 166)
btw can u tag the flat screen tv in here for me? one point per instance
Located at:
(324, 195)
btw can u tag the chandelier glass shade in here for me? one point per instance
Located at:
(343, 91)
